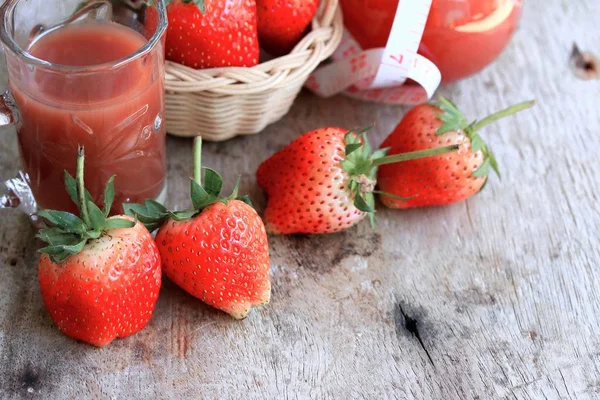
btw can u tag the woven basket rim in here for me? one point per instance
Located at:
(291, 69)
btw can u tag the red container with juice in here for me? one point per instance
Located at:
(461, 36)
(93, 82)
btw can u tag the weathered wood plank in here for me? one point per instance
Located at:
(503, 289)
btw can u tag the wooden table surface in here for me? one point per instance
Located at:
(496, 297)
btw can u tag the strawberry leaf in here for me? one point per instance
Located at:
(446, 104)
(447, 127)
(92, 234)
(348, 166)
(135, 210)
(477, 143)
(152, 214)
(58, 258)
(201, 6)
(372, 220)
(451, 116)
(246, 199)
(74, 249)
(379, 153)
(200, 197)
(236, 189)
(71, 187)
(494, 164)
(351, 137)
(483, 170)
(118, 223)
(367, 149)
(361, 204)
(97, 217)
(150, 223)
(363, 166)
(183, 215)
(109, 195)
(484, 185)
(213, 182)
(60, 253)
(370, 200)
(56, 236)
(393, 196)
(52, 250)
(155, 208)
(63, 220)
(351, 148)
(199, 3)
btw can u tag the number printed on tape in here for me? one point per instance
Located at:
(380, 74)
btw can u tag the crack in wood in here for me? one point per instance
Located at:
(564, 383)
(411, 325)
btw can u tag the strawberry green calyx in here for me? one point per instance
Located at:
(200, 3)
(152, 214)
(67, 233)
(361, 163)
(454, 120)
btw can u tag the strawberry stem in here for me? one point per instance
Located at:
(502, 114)
(198, 160)
(81, 187)
(414, 155)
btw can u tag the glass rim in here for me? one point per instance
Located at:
(6, 13)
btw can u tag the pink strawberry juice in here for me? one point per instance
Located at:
(115, 111)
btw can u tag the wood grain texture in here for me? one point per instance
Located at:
(503, 290)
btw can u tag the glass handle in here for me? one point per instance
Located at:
(17, 193)
(8, 198)
(7, 107)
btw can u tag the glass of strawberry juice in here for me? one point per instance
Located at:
(89, 74)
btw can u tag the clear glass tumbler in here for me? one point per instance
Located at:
(85, 73)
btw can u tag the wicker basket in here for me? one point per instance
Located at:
(221, 103)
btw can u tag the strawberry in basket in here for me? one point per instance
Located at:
(212, 33)
(282, 23)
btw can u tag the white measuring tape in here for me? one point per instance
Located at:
(380, 74)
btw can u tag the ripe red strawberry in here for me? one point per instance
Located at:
(282, 23)
(445, 179)
(99, 276)
(217, 251)
(323, 182)
(151, 21)
(212, 33)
